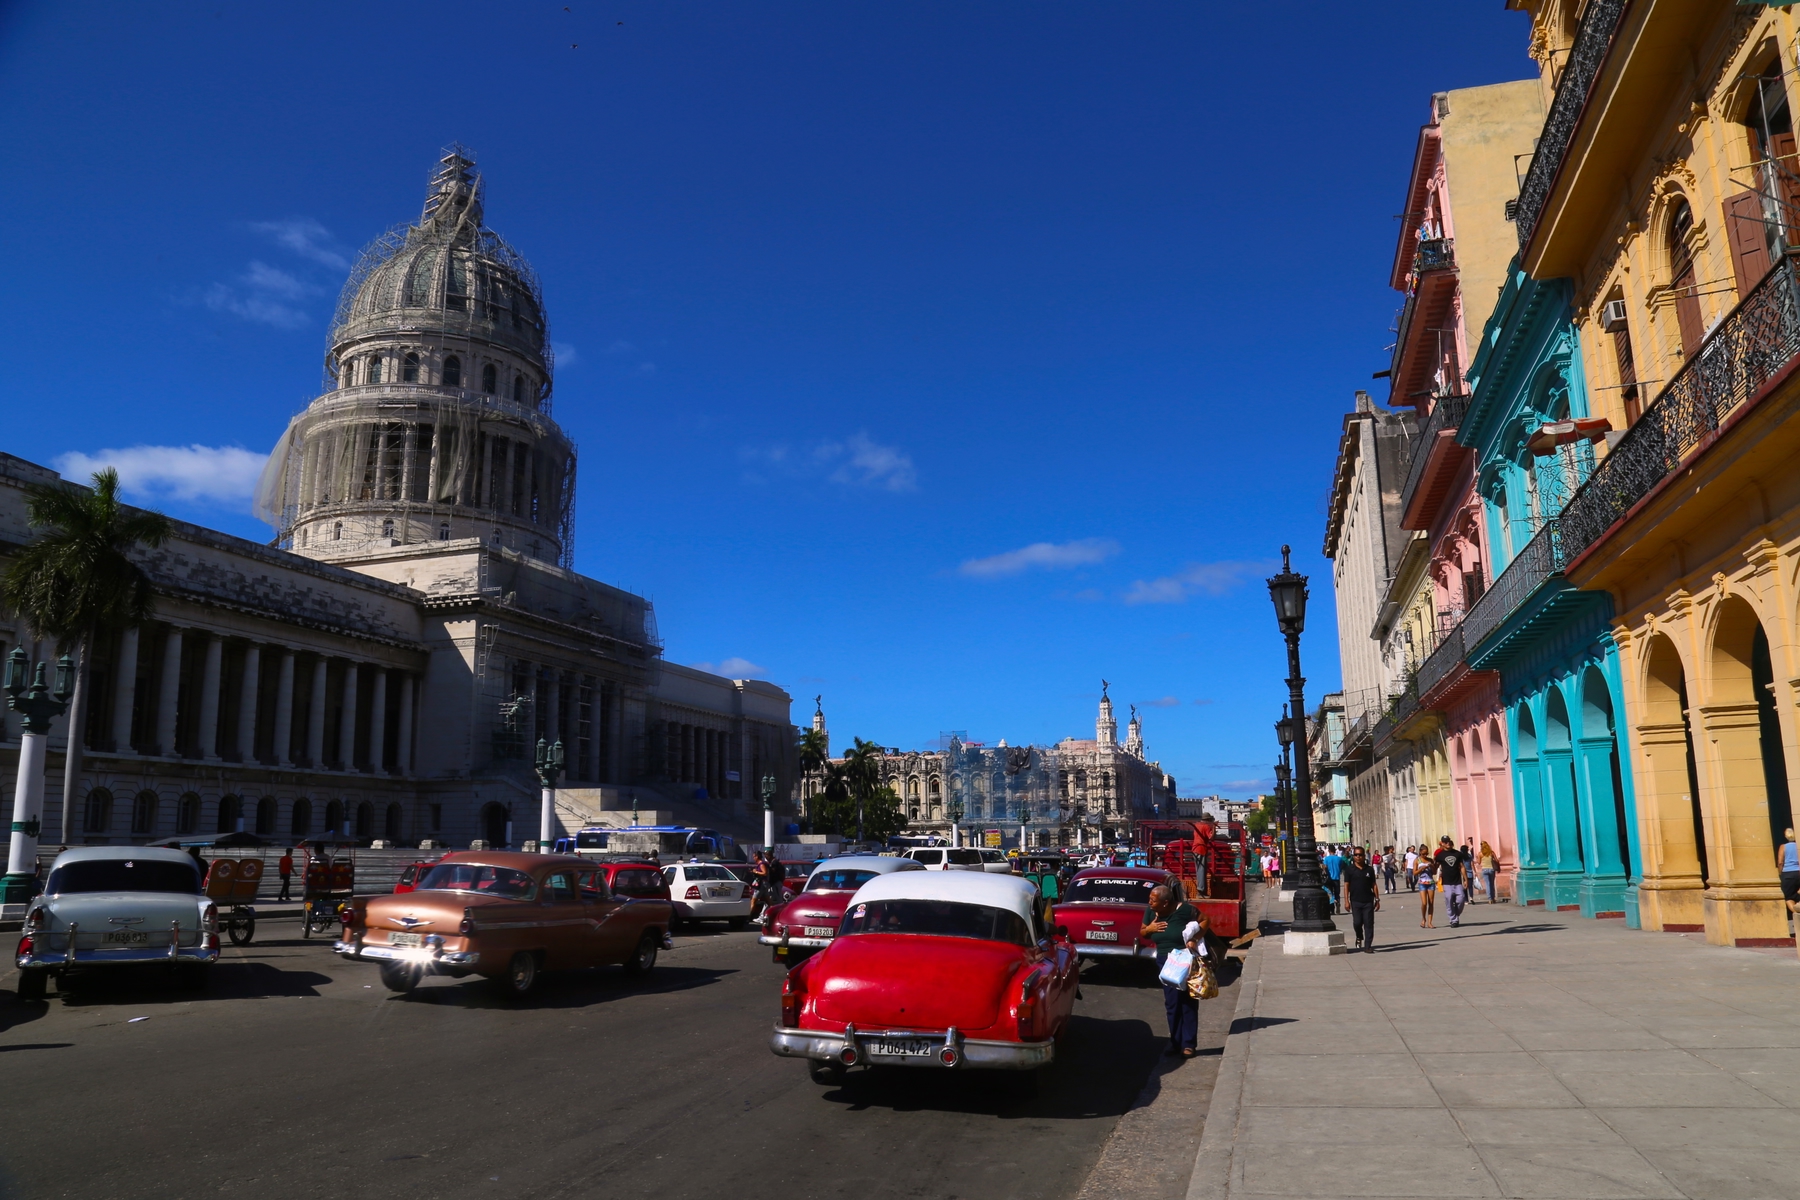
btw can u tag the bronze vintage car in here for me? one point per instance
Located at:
(507, 917)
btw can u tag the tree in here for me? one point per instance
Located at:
(77, 583)
(1265, 817)
(883, 815)
(813, 750)
(862, 772)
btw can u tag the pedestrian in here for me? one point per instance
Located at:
(1412, 868)
(1389, 870)
(1333, 862)
(1489, 862)
(1361, 898)
(285, 868)
(1452, 871)
(1787, 861)
(1165, 922)
(761, 878)
(1468, 856)
(1427, 889)
(1272, 868)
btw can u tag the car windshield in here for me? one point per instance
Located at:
(706, 872)
(124, 875)
(1110, 889)
(940, 918)
(474, 877)
(586, 840)
(926, 856)
(838, 879)
(965, 858)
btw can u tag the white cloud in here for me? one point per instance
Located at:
(221, 475)
(856, 461)
(1051, 556)
(1164, 702)
(732, 668)
(264, 294)
(307, 238)
(565, 354)
(1212, 579)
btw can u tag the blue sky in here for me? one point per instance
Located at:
(942, 359)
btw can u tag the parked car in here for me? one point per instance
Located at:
(932, 969)
(507, 917)
(410, 875)
(797, 873)
(635, 877)
(707, 891)
(946, 858)
(806, 924)
(106, 908)
(1104, 909)
(995, 862)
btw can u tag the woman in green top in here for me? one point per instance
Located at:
(1163, 922)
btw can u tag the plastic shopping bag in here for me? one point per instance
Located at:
(1176, 969)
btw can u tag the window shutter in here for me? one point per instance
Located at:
(1749, 243)
(1687, 311)
(1783, 150)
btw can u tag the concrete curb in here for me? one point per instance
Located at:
(1211, 1179)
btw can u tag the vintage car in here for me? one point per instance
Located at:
(932, 969)
(635, 877)
(807, 923)
(507, 917)
(108, 907)
(1104, 909)
(412, 873)
(708, 891)
(946, 858)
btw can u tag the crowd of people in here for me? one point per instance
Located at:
(1355, 879)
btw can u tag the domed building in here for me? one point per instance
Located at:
(384, 669)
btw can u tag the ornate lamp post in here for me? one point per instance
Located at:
(549, 769)
(1283, 810)
(768, 799)
(1284, 733)
(955, 812)
(37, 704)
(1312, 921)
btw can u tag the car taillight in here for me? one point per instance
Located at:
(1028, 1003)
(37, 918)
(468, 924)
(347, 915)
(693, 892)
(791, 998)
(25, 948)
(209, 918)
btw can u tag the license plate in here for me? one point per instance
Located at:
(406, 939)
(126, 937)
(1102, 935)
(819, 930)
(719, 893)
(903, 1047)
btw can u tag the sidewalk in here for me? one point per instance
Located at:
(1526, 1054)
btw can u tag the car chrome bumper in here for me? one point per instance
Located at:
(812, 943)
(62, 960)
(425, 956)
(971, 1052)
(1100, 950)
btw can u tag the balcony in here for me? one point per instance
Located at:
(1435, 254)
(1442, 661)
(1598, 25)
(1756, 342)
(1436, 458)
(1427, 309)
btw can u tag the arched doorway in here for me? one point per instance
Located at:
(1606, 825)
(334, 819)
(231, 808)
(394, 823)
(1675, 867)
(493, 824)
(1568, 853)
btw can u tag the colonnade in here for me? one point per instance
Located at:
(205, 712)
(697, 755)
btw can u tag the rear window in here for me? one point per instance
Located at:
(797, 870)
(932, 857)
(838, 879)
(964, 858)
(938, 918)
(124, 875)
(475, 877)
(706, 871)
(586, 840)
(1116, 889)
(637, 882)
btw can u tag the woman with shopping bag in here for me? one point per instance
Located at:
(1166, 922)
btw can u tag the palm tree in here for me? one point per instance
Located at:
(77, 583)
(862, 768)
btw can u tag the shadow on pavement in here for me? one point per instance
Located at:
(37, 1046)
(566, 989)
(1252, 1024)
(228, 980)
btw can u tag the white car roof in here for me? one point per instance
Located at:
(868, 862)
(119, 853)
(960, 887)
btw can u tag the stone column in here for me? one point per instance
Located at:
(284, 711)
(403, 760)
(553, 709)
(510, 456)
(409, 449)
(347, 721)
(125, 691)
(1742, 893)
(315, 719)
(378, 721)
(209, 698)
(169, 694)
(248, 695)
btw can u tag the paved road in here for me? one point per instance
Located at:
(293, 1076)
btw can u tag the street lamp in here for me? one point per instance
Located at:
(549, 768)
(1311, 909)
(1284, 733)
(955, 812)
(1283, 810)
(768, 799)
(37, 704)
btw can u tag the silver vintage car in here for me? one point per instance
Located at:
(109, 907)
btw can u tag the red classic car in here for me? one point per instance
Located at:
(807, 923)
(946, 969)
(507, 917)
(1104, 910)
(409, 877)
(635, 877)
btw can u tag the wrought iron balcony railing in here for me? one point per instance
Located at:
(1541, 558)
(1442, 661)
(1598, 25)
(1755, 341)
(1435, 254)
(1446, 414)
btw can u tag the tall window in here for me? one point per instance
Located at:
(374, 368)
(230, 809)
(409, 369)
(488, 378)
(337, 531)
(1681, 278)
(1628, 384)
(301, 824)
(518, 389)
(143, 812)
(265, 816)
(387, 528)
(98, 818)
(453, 371)
(187, 814)
(444, 532)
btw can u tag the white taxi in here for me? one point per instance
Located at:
(708, 891)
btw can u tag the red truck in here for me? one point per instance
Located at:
(1209, 861)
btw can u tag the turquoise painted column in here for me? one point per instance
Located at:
(1603, 880)
(1528, 808)
(1562, 886)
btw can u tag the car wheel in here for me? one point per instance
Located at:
(306, 922)
(401, 977)
(521, 975)
(644, 958)
(829, 1073)
(33, 984)
(738, 924)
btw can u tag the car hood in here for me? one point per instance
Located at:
(912, 981)
(814, 908)
(94, 911)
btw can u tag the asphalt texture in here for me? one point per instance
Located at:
(296, 1074)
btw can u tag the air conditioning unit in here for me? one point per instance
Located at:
(1512, 210)
(1612, 316)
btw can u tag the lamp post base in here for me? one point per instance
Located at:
(1316, 944)
(16, 889)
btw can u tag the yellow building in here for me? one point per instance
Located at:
(1666, 187)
